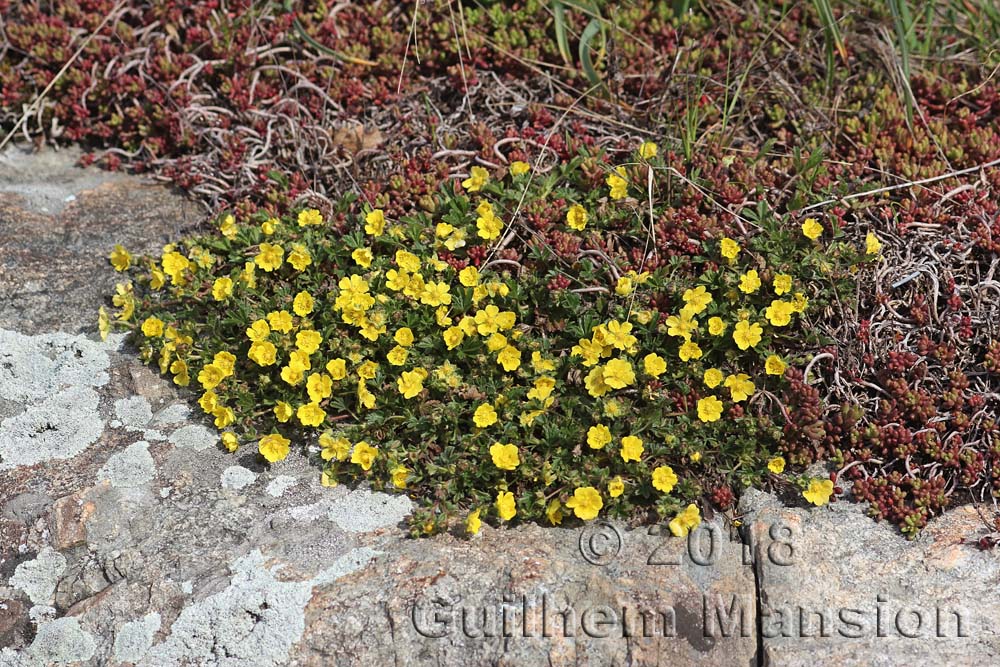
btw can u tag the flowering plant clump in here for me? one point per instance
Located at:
(457, 355)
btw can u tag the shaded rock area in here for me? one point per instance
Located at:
(129, 537)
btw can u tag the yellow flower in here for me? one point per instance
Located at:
(399, 475)
(576, 217)
(333, 448)
(403, 336)
(156, 278)
(174, 265)
(685, 521)
(269, 226)
(664, 479)
(435, 294)
(647, 150)
(397, 355)
(598, 436)
(210, 376)
(616, 487)
(517, 167)
(230, 441)
(486, 320)
(695, 457)
(811, 228)
(362, 257)
(337, 368)
(407, 261)
(228, 227)
(554, 512)
(747, 335)
(585, 503)
(120, 258)
(782, 283)
(485, 416)
(712, 378)
(273, 447)
(689, 350)
(310, 414)
(209, 402)
(152, 327)
(595, 384)
(729, 248)
(375, 222)
(310, 216)
(709, 409)
(779, 313)
(624, 286)
(103, 323)
(632, 448)
(616, 181)
(819, 491)
(681, 326)
(308, 341)
(799, 302)
(299, 257)
(223, 417)
(269, 257)
(280, 320)
(489, 226)
(282, 411)
(872, 245)
(618, 374)
(365, 398)
(319, 386)
(473, 523)
(541, 365)
(618, 334)
(222, 289)
(303, 304)
(774, 365)
(249, 275)
(367, 370)
(505, 505)
(749, 282)
(469, 276)
(542, 389)
(364, 455)
(776, 465)
(505, 457)
(411, 383)
(452, 337)
(740, 387)
(697, 299)
(477, 179)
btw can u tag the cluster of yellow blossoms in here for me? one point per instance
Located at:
(395, 330)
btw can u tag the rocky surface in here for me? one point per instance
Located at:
(129, 537)
(837, 589)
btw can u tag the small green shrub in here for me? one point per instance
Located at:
(456, 355)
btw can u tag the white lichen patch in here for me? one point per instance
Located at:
(254, 622)
(193, 436)
(280, 484)
(57, 642)
(130, 468)
(237, 477)
(177, 413)
(60, 427)
(38, 577)
(133, 412)
(36, 367)
(362, 511)
(135, 638)
(47, 386)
